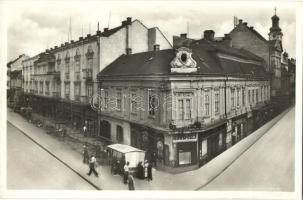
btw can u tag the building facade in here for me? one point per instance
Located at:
(185, 105)
(246, 37)
(64, 77)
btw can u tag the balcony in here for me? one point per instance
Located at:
(88, 74)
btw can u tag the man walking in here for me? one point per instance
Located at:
(85, 131)
(131, 185)
(126, 171)
(92, 164)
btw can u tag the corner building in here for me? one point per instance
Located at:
(186, 104)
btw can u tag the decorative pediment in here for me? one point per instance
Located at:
(183, 62)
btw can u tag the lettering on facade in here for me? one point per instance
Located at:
(184, 138)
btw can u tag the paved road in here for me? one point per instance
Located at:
(267, 165)
(31, 167)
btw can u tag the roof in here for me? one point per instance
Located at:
(123, 148)
(251, 29)
(203, 52)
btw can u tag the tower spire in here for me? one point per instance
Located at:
(275, 10)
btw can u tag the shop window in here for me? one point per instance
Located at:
(67, 90)
(220, 143)
(203, 148)
(184, 158)
(228, 139)
(77, 92)
(119, 135)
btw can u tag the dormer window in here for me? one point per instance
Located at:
(184, 57)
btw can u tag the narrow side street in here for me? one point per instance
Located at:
(31, 167)
(270, 161)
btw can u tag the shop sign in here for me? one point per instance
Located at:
(185, 138)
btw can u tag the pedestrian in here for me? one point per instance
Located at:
(126, 172)
(149, 172)
(85, 131)
(140, 171)
(92, 164)
(145, 169)
(154, 159)
(85, 154)
(131, 185)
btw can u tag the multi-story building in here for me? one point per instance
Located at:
(67, 73)
(270, 50)
(186, 104)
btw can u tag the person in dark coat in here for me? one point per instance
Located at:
(131, 185)
(85, 154)
(140, 171)
(149, 172)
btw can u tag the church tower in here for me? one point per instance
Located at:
(275, 31)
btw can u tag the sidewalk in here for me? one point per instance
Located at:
(191, 180)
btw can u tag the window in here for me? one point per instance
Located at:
(207, 104)
(67, 67)
(217, 102)
(67, 89)
(253, 96)
(238, 97)
(133, 105)
(232, 93)
(180, 109)
(89, 89)
(77, 91)
(105, 99)
(243, 96)
(204, 148)
(188, 109)
(151, 104)
(41, 87)
(257, 95)
(119, 101)
(47, 88)
(220, 143)
(77, 68)
(184, 158)
(119, 135)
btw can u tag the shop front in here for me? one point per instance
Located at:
(186, 148)
(239, 128)
(211, 143)
(149, 140)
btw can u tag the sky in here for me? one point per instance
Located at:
(33, 26)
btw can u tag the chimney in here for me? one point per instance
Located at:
(240, 21)
(66, 43)
(80, 38)
(129, 20)
(62, 45)
(124, 23)
(183, 35)
(98, 32)
(72, 41)
(105, 29)
(56, 47)
(156, 47)
(209, 35)
(227, 40)
(128, 51)
(51, 49)
(251, 28)
(245, 23)
(88, 35)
